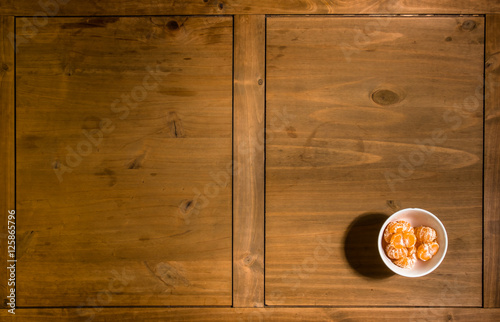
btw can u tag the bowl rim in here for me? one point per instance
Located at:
(384, 257)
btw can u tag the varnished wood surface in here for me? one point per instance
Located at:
(248, 207)
(242, 296)
(239, 7)
(492, 165)
(256, 314)
(144, 218)
(364, 96)
(6, 145)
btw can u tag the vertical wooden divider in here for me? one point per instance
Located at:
(7, 185)
(248, 171)
(491, 165)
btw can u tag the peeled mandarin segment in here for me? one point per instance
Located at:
(424, 251)
(387, 234)
(397, 240)
(389, 231)
(434, 247)
(400, 226)
(407, 227)
(412, 250)
(409, 239)
(425, 234)
(412, 260)
(395, 253)
(390, 226)
(406, 262)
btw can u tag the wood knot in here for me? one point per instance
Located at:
(175, 125)
(385, 97)
(448, 39)
(186, 206)
(173, 25)
(137, 162)
(56, 165)
(5, 67)
(249, 259)
(108, 173)
(469, 25)
(171, 276)
(492, 63)
(221, 6)
(394, 205)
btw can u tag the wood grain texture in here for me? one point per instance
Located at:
(124, 135)
(7, 188)
(248, 207)
(255, 314)
(237, 7)
(491, 164)
(380, 114)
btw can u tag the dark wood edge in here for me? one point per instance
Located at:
(253, 314)
(491, 276)
(242, 7)
(6, 145)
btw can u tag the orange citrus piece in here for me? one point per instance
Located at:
(396, 253)
(409, 239)
(434, 247)
(425, 234)
(400, 226)
(406, 244)
(397, 240)
(426, 250)
(387, 232)
(406, 262)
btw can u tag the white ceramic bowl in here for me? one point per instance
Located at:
(416, 217)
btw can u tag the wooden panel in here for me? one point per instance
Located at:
(6, 145)
(248, 241)
(255, 314)
(384, 113)
(124, 136)
(491, 165)
(191, 7)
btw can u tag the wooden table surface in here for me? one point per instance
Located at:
(235, 161)
(126, 161)
(366, 134)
